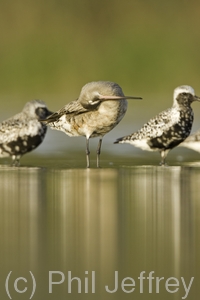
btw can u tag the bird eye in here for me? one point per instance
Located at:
(95, 98)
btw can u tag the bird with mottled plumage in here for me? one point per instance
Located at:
(99, 108)
(169, 128)
(23, 132)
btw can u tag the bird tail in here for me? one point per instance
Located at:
(120, 140)
(126, 139)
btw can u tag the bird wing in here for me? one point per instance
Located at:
(8, 130)
(72, 108)
(14, 128)
(157, 125)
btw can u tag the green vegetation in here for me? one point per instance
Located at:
(50, 48)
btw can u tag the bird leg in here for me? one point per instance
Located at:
(163, 154)
(99, 151)
(15, 160)
(87, 153)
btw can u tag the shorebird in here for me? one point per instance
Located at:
(99, 108)
(169, 128)
(23, 132)
(192, 141)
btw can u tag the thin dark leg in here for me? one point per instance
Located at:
(99, 151)
(87, 153)
(15, 160)
(163, 154)
(162, 163)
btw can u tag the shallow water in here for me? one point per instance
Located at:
(99, 225)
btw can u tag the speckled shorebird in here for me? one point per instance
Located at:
(192, 141)
(169, 128)
(99, 108)
(23, 132)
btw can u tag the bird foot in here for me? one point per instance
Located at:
(163, 164)
(15, 164)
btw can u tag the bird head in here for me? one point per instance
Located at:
(184, 95)
(94, 93)
(36, 109)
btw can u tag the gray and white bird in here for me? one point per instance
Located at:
(192, 141)
(23, 132)
(99, 108)
(169, 128)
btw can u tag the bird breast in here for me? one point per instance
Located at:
(108, 115)
(114, 109)
(93, 123)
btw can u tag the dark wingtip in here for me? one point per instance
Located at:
(118, 140)
(43, 121)
(51, 118)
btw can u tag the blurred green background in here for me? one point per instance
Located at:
(49, 49)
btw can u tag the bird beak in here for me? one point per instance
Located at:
(196, 98)
(106, 98)
(49, 113)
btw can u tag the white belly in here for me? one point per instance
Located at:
(142, 144)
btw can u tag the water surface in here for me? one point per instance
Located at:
(115, 221)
